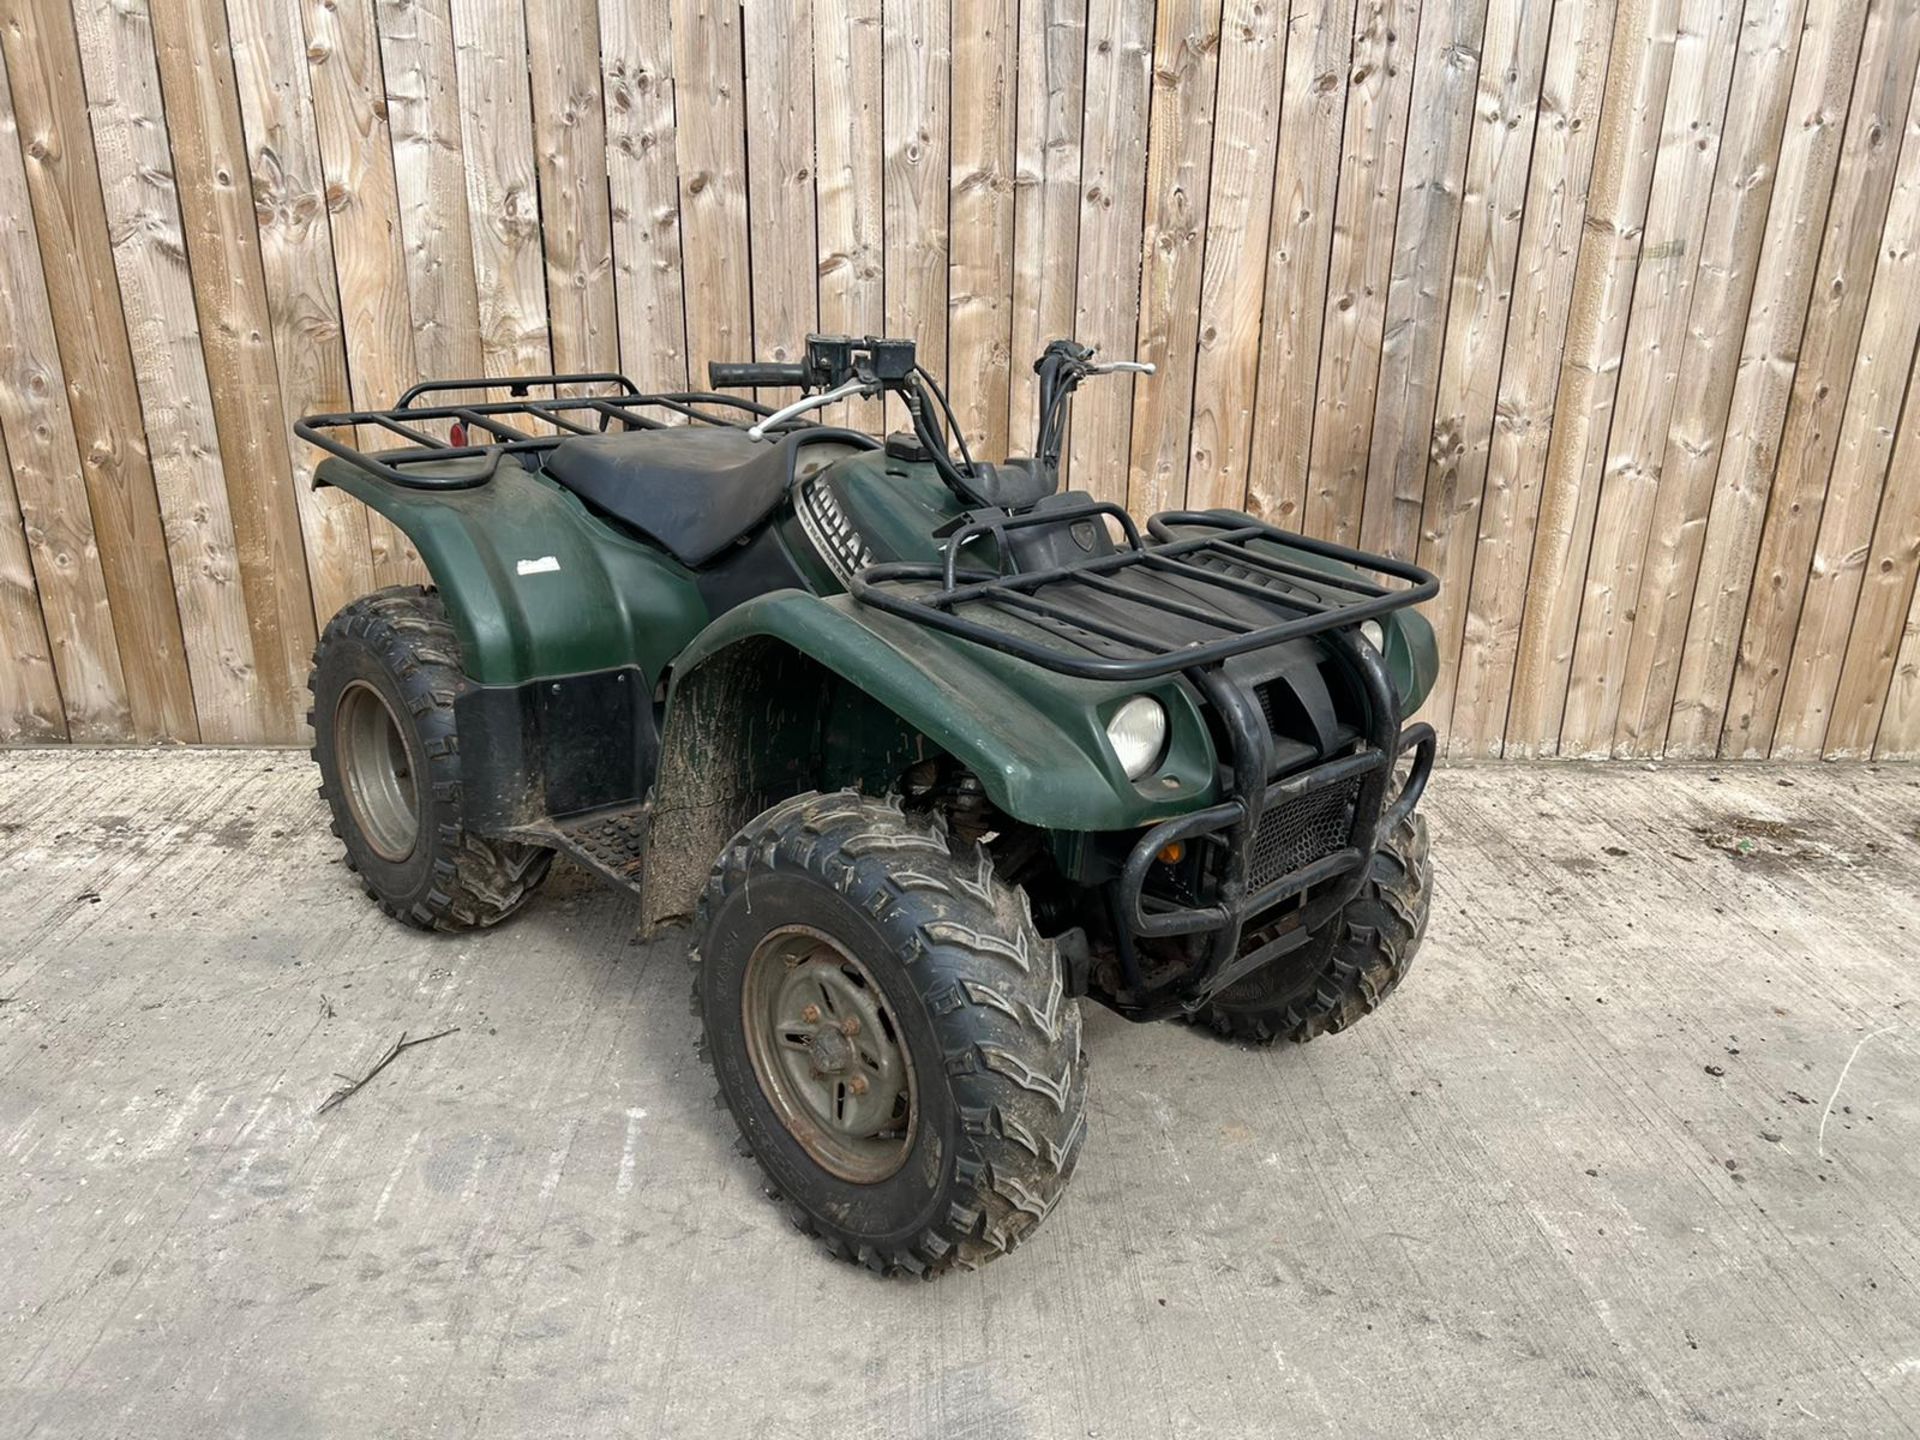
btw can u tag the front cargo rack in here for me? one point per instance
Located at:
(586, 404)
(1206, 585)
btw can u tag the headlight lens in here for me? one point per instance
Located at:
(1138, 734)
(1371, 632)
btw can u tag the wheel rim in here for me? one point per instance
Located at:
(376, 771)
(828, 1054)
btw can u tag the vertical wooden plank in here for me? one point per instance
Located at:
(1051, 100)
(779, 110)
(63, 179)
(230, 295)
(270, 58)
(29, 694)
(1246, 128)
(231, 698)
(1446, 80)
(1492, 210)
(1899, 737)
(1818, 407)
(1572, 96)
(570, 137)
(1186, 48)
(916, 71)
(1623, 166)
(713, 184)
(1887, 576)
(429, 163)
(636, 53)
(503, 204)
(1650, 374)
(850, 181)
(1830, 51)
(1305, 184)
(1113, 175)
(1869, 427)
(363, 205)
(1378, 99)
(51, 581)
(980, 276)
(1708, 368)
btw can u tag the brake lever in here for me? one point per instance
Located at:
(847, 391)
(1112, 367)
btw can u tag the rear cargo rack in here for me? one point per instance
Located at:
(1206, 585)
(567, 407)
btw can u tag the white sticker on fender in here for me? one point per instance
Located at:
(542, 566)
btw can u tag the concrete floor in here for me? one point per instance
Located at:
(1634, 1152)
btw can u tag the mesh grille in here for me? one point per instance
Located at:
(1300, 832)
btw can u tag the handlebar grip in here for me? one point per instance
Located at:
(746, 375)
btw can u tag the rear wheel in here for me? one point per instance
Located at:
(385, 677)
(1343, 975)
(890, 1033)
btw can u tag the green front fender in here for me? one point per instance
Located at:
(1036, 740)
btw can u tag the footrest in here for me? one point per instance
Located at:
(612, 843)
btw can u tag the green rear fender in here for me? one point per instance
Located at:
(536, 587)
(1036, 740)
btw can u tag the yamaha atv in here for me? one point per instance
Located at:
(925, 749)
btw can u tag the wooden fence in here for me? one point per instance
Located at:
(1606, 311)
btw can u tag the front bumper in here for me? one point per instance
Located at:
(1308, 836)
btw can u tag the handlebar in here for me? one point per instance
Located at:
(750, 374)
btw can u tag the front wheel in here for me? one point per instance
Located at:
(1342, 975)
(890, 1032)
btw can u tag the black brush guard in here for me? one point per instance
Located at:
(1218, 596)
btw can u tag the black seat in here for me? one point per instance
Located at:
(691, 489)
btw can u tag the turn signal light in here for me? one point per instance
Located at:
(1172, 852)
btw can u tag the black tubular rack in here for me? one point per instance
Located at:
(1199, 590)
(586, 404)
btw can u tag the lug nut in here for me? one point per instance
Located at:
(810, 1014)
(850, 1025)
(858, 1084)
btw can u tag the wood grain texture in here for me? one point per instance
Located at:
(1600, 311)
(1622, 176)
(570, 148)
(423, 110)
(1572, 96)
(1306, 179)
(29, 694)
(1899, 737)
(290, 199)
(1869, 429)
(1226, 374)
(849, 200)
(1817, 409)
(1770, 351)
(1173, 249)
(1113, 179)
(1493, 200)
(713, 189)
(1650, 365)
(1379, 98)
(1050, 99)
(980, 215)
(62, 658)
(779, 107)
(503, 200)
(168, 361)
(917, 72)
(1446, 75)
(83, 291)
(636, 54)
(236, 336)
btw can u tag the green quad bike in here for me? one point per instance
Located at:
(927, 750)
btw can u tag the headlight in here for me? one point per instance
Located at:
(1138, 733)
(1371, 632)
